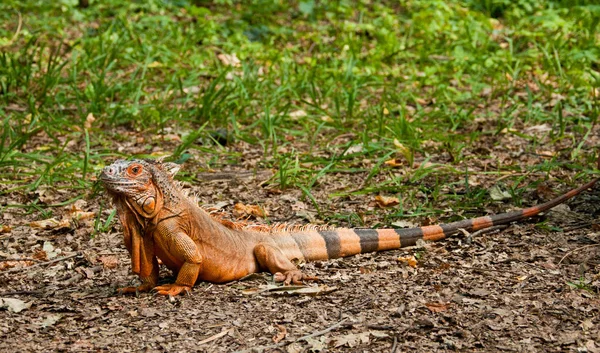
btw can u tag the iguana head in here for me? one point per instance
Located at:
(143, 184)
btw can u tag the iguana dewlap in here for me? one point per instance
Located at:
(159, 221)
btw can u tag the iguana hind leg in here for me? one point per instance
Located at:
(274, 260)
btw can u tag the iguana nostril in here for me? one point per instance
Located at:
(109, 170)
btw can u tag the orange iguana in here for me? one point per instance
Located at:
(159, 221)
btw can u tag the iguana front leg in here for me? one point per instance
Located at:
(178, 248)
(143, 261)
(141, 250)
(274, 260)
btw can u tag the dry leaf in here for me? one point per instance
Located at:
(405, 151)
(192, 89)
(50, 223)
(40, 254)
(297, 114)
(241, 210)
(229, 60)
(544, 192)
(155, 64)
(171, 137)
(5, 229)
(405, 224)
(109, 261)
(521, 278)
(50, 320)
(386, 201)
(351, 340)
(498, 194)
(587, 325)
(89, 120)
(437, 307)
(316, 344)
(50, 251)
(77, 205)
(281, 333)
(354, 149)
(409, 260)
(14, 305)
(80, 215)
(394, 163)
(45, 195)
(5, 265)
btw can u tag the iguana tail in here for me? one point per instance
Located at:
(310, 245)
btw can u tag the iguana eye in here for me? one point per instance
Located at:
(135, 169)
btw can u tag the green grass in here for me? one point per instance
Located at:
(424, 73)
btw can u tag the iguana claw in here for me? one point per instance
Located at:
(172, 289)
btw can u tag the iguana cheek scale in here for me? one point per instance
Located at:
(159, 221)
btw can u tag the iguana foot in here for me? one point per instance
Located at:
(139, 289)
(293, 277)
(172, 289)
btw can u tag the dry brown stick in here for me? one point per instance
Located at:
(395, 344)
(20, 292)
(13, 270)
(579, 226)
(21, 259)
(216, 337)
(322, 332)
(574, 250)
(281, 344)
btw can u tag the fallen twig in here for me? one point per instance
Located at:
(574, 250)
(579, 226)
(13, 270)
(281, 344)
(217, 336)
(21, 259)
(20, 292)
(395, 344)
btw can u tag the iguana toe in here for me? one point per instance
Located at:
(293, 277)
(172, 289)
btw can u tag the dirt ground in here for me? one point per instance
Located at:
(523, 288)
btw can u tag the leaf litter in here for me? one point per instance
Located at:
(486, 291)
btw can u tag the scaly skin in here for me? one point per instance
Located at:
(160, 222)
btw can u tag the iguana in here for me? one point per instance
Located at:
(159, 221)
